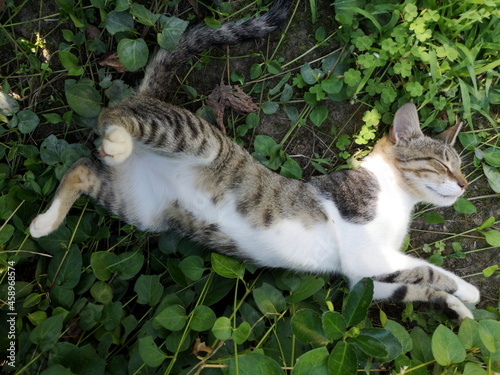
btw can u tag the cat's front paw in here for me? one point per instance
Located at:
(459, 308)
(467, 293)
(116, 145)
(47, 222)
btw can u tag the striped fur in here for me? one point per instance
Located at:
(164, 168)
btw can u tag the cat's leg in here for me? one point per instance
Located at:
(82, 178)
(116, 146)
(398, 292)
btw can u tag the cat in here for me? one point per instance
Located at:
(163, 168)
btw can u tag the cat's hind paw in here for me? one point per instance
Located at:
(116, 146)
(47, 222)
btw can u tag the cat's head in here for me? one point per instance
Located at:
(429, 166)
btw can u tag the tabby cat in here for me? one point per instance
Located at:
(165, 168)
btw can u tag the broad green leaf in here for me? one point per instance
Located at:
(342, 360)
(6, 233)
(474, 369)
(8, 105)
(468, 333)
(241, 333)
(46, 334)
(101, 262)
(173, 318)
(133, 53)
(332, 85)
(70, 62)
(150, 353)
(227, 266)
(371, 346)
(306, 326)
(433, 218)
(401, 334)
(269, 299)
(422, 350)
(222, 328)
(101, 292)
(212, 22)
(66, 268)
(291, 169)
(493, 177)
(319, 115)
(203, 318)
(305, 289)
(313, 362)
(493, 237)
(171, 31)
(269, 107)
(27, 121)
(84, 100)
(333, 324)
(309, 75)
(489, 333)
(60, 296)
(492, 156)
(265, 145)
(128, 264)
(254, 364)
(489, 271)
(111, 315)
(143, 15)
(389, 342)
(37, 317)
(192, 267)
(358, 301)
(116, 22)
(446, 347)
(464, 206)
(90, 316)
(149, 289)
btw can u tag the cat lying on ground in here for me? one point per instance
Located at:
(164, 168)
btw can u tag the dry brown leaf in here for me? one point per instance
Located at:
(224, 96)
(111, 59)
(199, 346)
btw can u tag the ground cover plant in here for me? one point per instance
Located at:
(98, 296)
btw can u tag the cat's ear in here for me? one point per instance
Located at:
(449, 136)
(406, 125)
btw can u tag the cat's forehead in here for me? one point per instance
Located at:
(429, 147)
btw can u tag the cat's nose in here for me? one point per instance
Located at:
(462, 182)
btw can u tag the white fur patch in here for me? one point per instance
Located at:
(116, 146)
(45, 223)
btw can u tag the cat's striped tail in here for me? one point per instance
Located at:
(163, 66)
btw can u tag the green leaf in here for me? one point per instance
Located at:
(489, 333)
(101, 292)
(309, 75)
(468, 333)
(291, 169)
(116, 22)
(489, 271)
(269, 107)
(6, 233)
(128, 264)
(241, 333)
(421, 345)
(254, 364)
(66, 268)
(473, 369)
(143, 15)
(90, 316)
(332, 85)
(8, 105)
(227, 267)
(192, 267)
(46, 334)
(305, 289)
(307, 327)
(172, 29)
(358, 301)
(173, 318)
(313, 362)
(342, 360)
(265, 145)
(493, 237)
(401, 334)
(446, 347)
(333, 324)
(212, 23)
(464, 206)
(101, 262)
(203, 318)
(269, 300)
(111, 315)
(149, 352)
(319, 115)
(390, 344)
(133, 53)
(70, 62)
(84, 100)
(493, 177)
(492, 156)
(222, 328)
(149, 289)
(27, 121)
(371, 346)
(433, 218)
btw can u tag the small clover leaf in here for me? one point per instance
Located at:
(352, 77)
(414, 88)
(410, 12)
(390, 46)
(403, 68)
(363, 43)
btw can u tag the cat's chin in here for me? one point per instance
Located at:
(439, 199)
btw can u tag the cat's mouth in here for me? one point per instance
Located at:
(440, 194)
